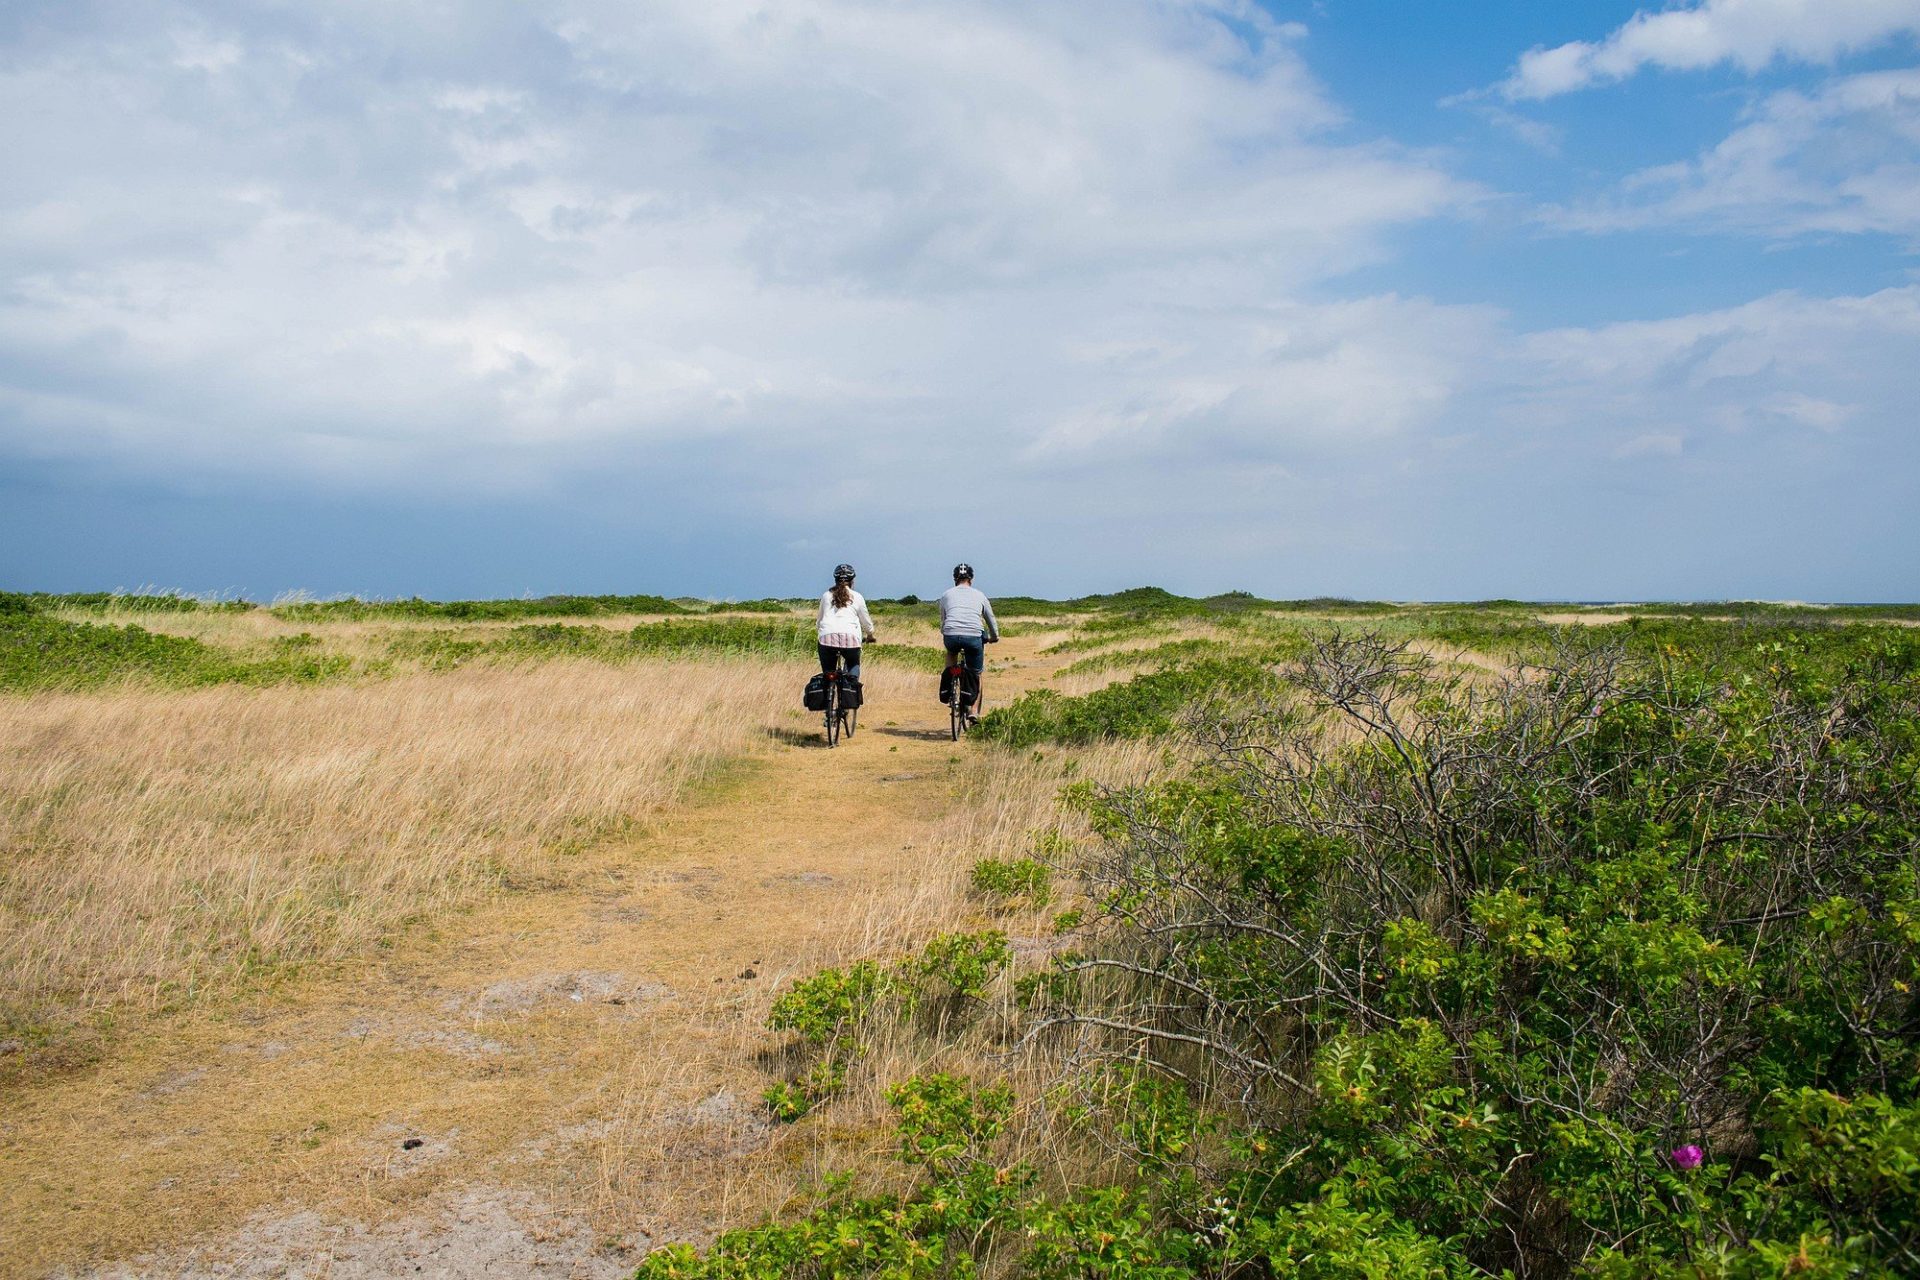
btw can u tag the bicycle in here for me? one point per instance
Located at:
(839, 720)
(957, 701)
(964, 693)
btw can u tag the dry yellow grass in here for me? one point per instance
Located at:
(157, 845)
(639, 1116)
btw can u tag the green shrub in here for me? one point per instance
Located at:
(38, 651)
(1144, 706)
(791, 1100)
(828, 1005)
(958, 965)
(826, 1010)
(971, 1211)
(1612, 960)
(831, 1010)
(1012, 879)
(946, 1123)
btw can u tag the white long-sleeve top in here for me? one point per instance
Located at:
(843, 628)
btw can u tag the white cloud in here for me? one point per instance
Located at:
(1841, 158)
(1751, 34)
(1284, 380)
(1813, 367)
(479, 248)
(737, 265)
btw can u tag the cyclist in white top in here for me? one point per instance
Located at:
(842, 623)
(967, 625)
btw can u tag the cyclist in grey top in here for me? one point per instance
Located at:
(967, 625)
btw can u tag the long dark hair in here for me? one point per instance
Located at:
(842, 593)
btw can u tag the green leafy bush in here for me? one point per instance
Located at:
(1011, 879)
(827, 1006)
(826, 1011)
(958, 965)
(1605, 966)
(1144, 706)
(830, 1010)
(792, 1100)
(970, 1211)
(38, 651)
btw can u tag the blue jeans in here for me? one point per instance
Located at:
(969, 651)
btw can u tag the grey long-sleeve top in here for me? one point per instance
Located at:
(966, 611)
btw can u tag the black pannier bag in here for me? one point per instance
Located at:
(815, 698)
(962, 677)
(851, 694)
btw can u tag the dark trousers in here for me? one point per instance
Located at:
(832, 655)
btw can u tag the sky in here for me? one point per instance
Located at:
(1376, 298)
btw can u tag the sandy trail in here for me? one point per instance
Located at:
(531, 1087)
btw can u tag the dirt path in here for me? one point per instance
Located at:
(536, 1087)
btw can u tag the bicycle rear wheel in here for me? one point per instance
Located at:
(833, 718)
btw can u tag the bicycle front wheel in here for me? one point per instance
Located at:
(853, 721)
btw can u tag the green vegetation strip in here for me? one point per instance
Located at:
(1161, 655)
(475, 610)
(1145, 706)
(784, 637)
(42, 652)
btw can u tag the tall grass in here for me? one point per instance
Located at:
(155, 846)
(1012, 809)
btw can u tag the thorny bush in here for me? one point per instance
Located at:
(1601, 966)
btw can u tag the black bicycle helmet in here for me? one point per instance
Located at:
(843, 573)
(962, 570)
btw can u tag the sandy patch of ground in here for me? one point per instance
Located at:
(476, 1231)
(1584, 618)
